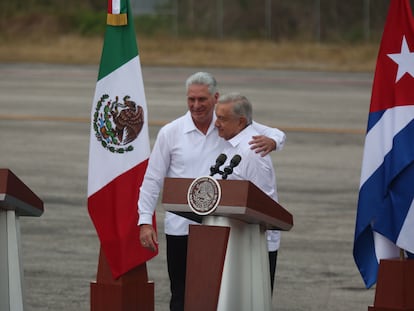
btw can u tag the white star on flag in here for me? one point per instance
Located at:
(404, 59)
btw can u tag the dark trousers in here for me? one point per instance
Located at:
(176, 263)
(272, 263)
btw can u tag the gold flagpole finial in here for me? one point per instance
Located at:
(117, 19)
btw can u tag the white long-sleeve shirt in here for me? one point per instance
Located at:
(255, 168)
(182, 151)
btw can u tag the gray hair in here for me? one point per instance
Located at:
(242, 106)
(202, 78)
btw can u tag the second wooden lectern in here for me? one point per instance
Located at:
(16, 200)
(227, 262)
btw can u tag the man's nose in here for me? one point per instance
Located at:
(197, 103)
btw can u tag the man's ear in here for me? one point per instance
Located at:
(243, 122)
(216, 96)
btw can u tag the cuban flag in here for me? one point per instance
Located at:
(385, 215)
(119, 146)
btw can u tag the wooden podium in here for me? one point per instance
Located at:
(227, 257)
(395, 289)
(16, 200)
(132, 291)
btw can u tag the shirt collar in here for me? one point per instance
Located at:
(189, 125)
(235, 141)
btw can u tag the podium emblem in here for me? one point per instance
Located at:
(204, 195)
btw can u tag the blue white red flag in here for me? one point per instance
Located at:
(385, 215)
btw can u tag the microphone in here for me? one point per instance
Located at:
(233, 163)
(219, 162)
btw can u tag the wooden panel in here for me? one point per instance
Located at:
(395, 285)
(15, 195)
(206, 253)
(130, 292)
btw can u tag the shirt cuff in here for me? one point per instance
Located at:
(145, 219)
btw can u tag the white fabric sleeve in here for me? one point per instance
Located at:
(277, 135)
(154, 179)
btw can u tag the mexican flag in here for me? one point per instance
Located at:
(119, 144)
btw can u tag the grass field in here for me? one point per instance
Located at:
(72, 49)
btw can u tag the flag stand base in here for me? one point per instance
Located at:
(395, 286)
(130, 292)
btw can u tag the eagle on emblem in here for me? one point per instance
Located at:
(128, 118)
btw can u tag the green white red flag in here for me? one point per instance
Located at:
(117, 12)
(119, 145)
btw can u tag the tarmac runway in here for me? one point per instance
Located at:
(44, 137)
